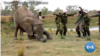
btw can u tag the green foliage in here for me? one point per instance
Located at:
(36, 11)
(72, 8)
(47, 52)
(71, 30)
(58, 10)
(6, 11)
(32, 7)
(3, 22)
(11, 23)
(33, 4)
(14, 6)
(21, 38)
(88, 38)
(62, 37)
(25, 4)
(44, 11)
(50, 13)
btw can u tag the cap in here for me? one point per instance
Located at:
(79, 10)
(64, 11)
(39, 10)
(86, 12)
(98, 10)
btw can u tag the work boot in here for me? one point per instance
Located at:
(85, 32)
(56, 32)
(83, 35)
(64, 33)
(61, 33)
(88, 32)
(79, 34)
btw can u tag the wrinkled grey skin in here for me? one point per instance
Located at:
(25, 20)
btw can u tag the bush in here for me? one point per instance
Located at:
(62, 37)
(21, 38)
(88, 38)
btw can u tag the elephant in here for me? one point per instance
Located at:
(27, 22)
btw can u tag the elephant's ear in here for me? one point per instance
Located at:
(27, 26)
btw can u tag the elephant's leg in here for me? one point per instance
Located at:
(47, 34)
(15, 33)
(32, 36)
(21, 33)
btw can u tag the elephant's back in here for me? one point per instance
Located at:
(21, 13)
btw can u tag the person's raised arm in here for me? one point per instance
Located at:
(95, 15)
(71, 14)
(82, 12)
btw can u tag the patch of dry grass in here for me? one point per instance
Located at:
(6, 18)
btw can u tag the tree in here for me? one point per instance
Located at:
(6, 10)
(44, 11)
(93, 12)
(33, 4)
(36, 11)
(50, 13)
(32, 8)
(25, 4)
(58, 10)
(14, 5)
(72, 8)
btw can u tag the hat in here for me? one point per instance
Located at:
(79, 10)
(86, 12)
(39, 10)
(64, 11)
(98, 10)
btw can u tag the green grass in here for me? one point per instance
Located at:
(88, 38)
(62, 37)
(70, 46)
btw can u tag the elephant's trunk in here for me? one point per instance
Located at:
(48, 35)
(39, 34)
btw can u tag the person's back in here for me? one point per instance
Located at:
(87, 19)
(58, 19)
(65, 17)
